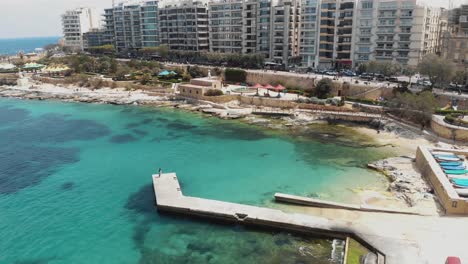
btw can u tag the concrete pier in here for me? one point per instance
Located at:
(396, 238)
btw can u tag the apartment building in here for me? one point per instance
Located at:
(395, 31)
(225, 26)
(149, 23)
(132, 25)
(455, 39)
(184, 26)
(308, 32)
(75, 23)
(285, 31)
(336, 34)
(94, 38)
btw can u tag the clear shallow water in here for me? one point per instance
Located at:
(75, 184)
(13, 45)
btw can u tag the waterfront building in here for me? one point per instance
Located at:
(285, 31)
(75, 23)
(94, 38)
(399, 31)
(184, 26)
(149, 21)
(455, 38)
(308, 32)
(336, 34)
(270, 28)
(225, 26)
(132, 25)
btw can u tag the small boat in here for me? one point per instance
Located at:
(446, 156)
(448, 159)
(441, 153)
(462, 192)
(461, 182)
(456, 172)
(451, 163)
(445, 167)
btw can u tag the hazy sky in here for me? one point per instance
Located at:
(30, 18)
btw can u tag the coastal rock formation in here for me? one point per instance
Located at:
(406, 182)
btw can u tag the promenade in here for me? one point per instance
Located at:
(401, 238)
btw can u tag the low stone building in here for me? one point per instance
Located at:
(199, 86)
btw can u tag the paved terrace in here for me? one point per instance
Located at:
(401, 238)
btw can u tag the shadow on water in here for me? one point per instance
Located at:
(196, 240)
(25, 156)
(67, 186)
(123, 138)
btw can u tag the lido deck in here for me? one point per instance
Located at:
(378, 231)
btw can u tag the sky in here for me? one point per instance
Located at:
(37, 18)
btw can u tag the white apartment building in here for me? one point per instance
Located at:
(75, 23)
(395, 30)
(308, 32)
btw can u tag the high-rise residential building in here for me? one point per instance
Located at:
(225, 26)
(399, 31)
(270, 28)
(308, 32)
(184, 26)
(285, 31)
(149, 22)
(455, 38)
(75, 23)
(132, 25)
(336, 33)
(94, 38)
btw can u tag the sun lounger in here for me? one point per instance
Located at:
(461, 167)
(462, 192)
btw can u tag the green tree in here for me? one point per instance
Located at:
(235, 75)
(418, 108)
(323, 88)
(439, 70)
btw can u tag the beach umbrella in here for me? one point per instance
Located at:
(279, 87)
(257, 85)
(269, 87)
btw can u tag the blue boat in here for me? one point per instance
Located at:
(461, 182)
(451, 163)
(456, 172)
(446, 156)
(453, 167)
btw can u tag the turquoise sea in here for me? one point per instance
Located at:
(12, 46)
(75, 183)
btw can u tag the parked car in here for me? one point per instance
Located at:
(348, 73)
(453, 260)
(331, 73)
(367, 77)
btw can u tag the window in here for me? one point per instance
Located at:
(367, 5)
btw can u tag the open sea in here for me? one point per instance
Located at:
(12, 46)
(75, 183)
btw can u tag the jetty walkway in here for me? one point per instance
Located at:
(396, 238)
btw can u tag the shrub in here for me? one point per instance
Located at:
(235, 75)
(213, 92)
(323, 88)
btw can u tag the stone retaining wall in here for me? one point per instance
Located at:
(448, 131)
